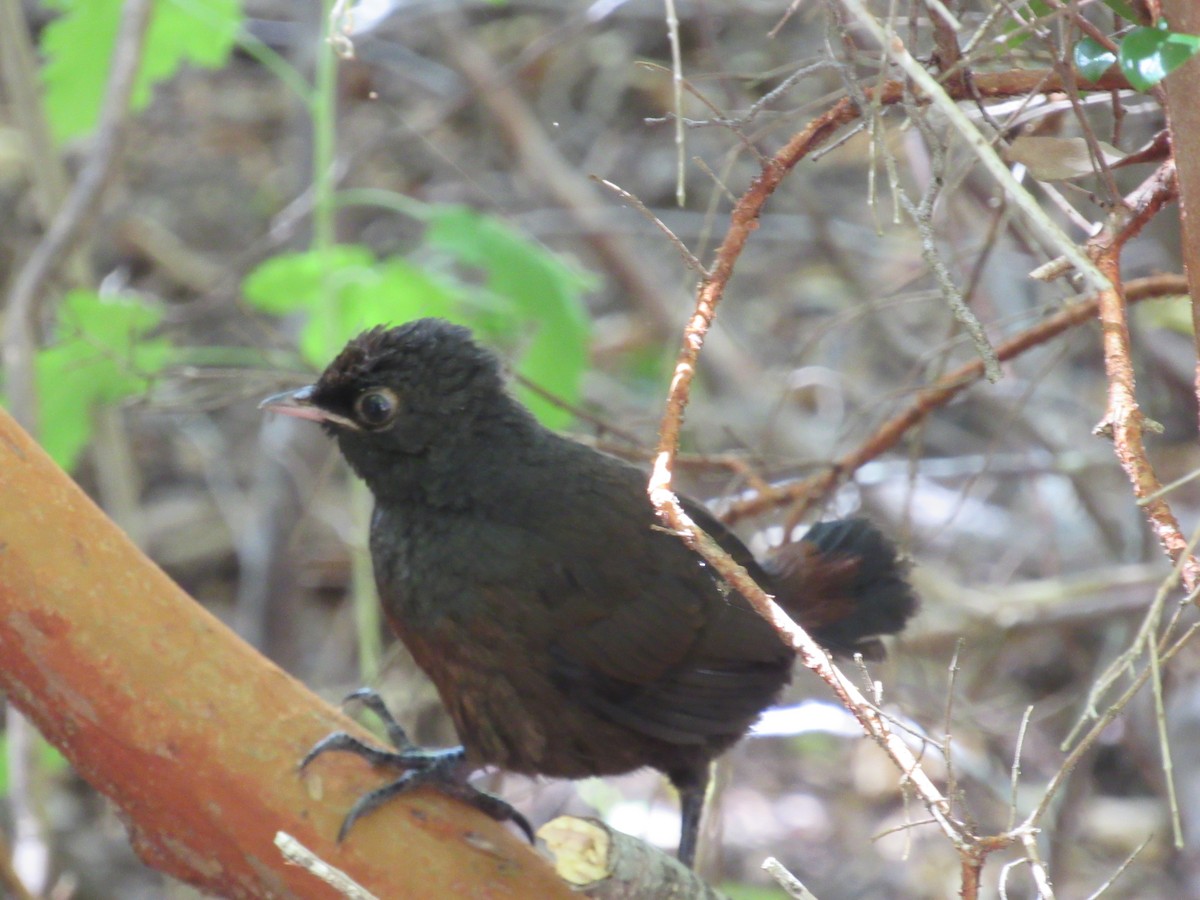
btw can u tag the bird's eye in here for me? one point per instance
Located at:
(376, 407)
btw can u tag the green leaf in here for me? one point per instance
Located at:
(736, 891)
(1190, 43)
(533, 294)
(392, 292)
(345, 290)
(1148, 55)
(1093, 59)
(529, 299)
(78, 48)
(102, 356)
(299, 282)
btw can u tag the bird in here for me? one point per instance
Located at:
(567, 632)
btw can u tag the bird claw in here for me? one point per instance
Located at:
(342, 742)
(441, 775)
(370, 698)
(442, 770)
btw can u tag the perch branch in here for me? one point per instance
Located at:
(194, 735)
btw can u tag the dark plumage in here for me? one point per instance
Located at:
(566, 634)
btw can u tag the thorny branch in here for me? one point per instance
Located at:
(1101, 268)
(1124, 421)
(809, 491)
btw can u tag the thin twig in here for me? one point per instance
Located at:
(677, 99)
(947, 731)
(1041, 878)
(1005, 871)
(295, 852)
(922, 216)
(1102, 722)
(1164, 742)
(941, 392)
(1142, 642)
(719, 118)
(1045, 226)
(688, 258)
(22, 90)
(1111, 880)
(716, 179)
(1015, 778)
(791, 885)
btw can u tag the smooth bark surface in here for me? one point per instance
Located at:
(193, 734)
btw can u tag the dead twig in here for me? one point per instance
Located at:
(689, 258)
(981, 145)
(807, 491)
(744, 218)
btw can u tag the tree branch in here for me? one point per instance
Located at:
(194, 735)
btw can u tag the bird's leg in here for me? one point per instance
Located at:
(692, 790)
(445, 770)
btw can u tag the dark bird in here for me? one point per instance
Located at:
(567, 633)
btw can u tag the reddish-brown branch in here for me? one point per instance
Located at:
(972, 868)
(1123, 421)
(744, 219)
(817, 660)
(194, 735)
(810, 490)
(988, 85)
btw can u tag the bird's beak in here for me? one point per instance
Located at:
(299, 404)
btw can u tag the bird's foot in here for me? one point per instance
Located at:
(445, 770)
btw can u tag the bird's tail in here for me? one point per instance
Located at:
(845, 584)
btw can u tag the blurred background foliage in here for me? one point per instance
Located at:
(452, 153)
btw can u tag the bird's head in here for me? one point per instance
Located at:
(394, 396)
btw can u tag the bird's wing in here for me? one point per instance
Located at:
(664, 647)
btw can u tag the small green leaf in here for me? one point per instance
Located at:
(530, 300)
(78, 47)
(102, 356)
(389, 293)
(1093, 59)
(345, 290)
(298, 282)
(1189, 42)
(50, 758)
(1148, 55)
